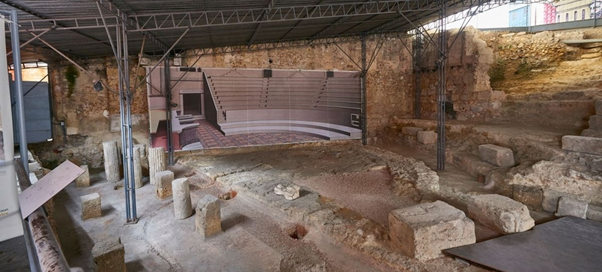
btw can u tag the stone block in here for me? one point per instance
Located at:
(163, 183)
(592, 133)
(594, 212)
(530, 196)
(590, 145)
(568, 206)
(598, 107)
(423, 230)
(595, 122)
(496, 155)
(550, 200)
(208, 219)
(109, 255)
(410, 130)
(500, 213)
(90, 206)
(84, 179)
(426, 137)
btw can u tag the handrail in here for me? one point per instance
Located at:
(39, 234)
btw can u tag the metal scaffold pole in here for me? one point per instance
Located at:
(363, 94)
(441, 88)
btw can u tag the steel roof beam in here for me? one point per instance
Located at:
(259, 26)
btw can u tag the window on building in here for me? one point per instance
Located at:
(583, 14)
(558, 18)
(575, 16)
(566, 17)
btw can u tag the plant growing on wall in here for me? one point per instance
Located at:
(71, 74)
(497, 71)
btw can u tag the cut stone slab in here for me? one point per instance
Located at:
(410, 130)
(84, 179)
(595, 122)
(501, 213)
(426, 137)
(90, 206)
(590, 145)
(423, 230)
(594, 212)
(496, 155)
(568, 206)
(208, 216)
(550, 200)
(163, 183)
(109, 255)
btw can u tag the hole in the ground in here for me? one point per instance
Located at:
(228, 195)
(297, 232)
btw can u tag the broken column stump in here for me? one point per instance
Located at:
(84, 179)
(156, 162)
(90, 206)
(423, 230)
(163, 183)
(426, 137)
(571, 207)
(111, 161)
(208, 216)
(501, 213)
(137, 167)
(181, 198)
(109, 255)
(496, 155)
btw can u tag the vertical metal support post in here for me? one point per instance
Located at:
(167, 76)
(417, 48)
(14, 39)
(129, 147)
(363, 94)
(441, 88)
(122, 114)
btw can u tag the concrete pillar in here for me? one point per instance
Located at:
(137, 167)
(156, 162)
(181, 198)
(208, 216)
(109, 255)
(163, 183)
(111, 161)
(84, 179)
(90, 206)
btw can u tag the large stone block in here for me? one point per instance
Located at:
(550, 200)
(91, 206)
(583, 144)
(84, 179)
(599, 107)
(568, 206)
(592, 133)
(501, 213)
(109, 255)
(410, 130)
(594, 212)
(426, 137)
(208, 219)
(163, 184)
(595, 122)
(496, 155)
(423, 230)
(530, 196)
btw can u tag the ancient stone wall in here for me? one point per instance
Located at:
(86, 113)
(467, 83)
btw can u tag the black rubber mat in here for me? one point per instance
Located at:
(13, 255)
(566, 244)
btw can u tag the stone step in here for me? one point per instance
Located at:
(469, 163)
(595, 123)
(582, 144)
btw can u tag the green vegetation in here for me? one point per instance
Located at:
(523, 69)
(71, 74)
(497, 71)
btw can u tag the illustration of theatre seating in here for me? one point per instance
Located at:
(319, 103)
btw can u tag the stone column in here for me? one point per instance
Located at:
(84, 179)
(111, 161)
(163, 183)
(156, 162)
(137, 167)
(181, 198)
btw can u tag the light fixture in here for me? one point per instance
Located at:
(98, 86)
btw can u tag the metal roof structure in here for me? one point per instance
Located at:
(77, 27)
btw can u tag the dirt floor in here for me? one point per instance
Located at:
(347, 192)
